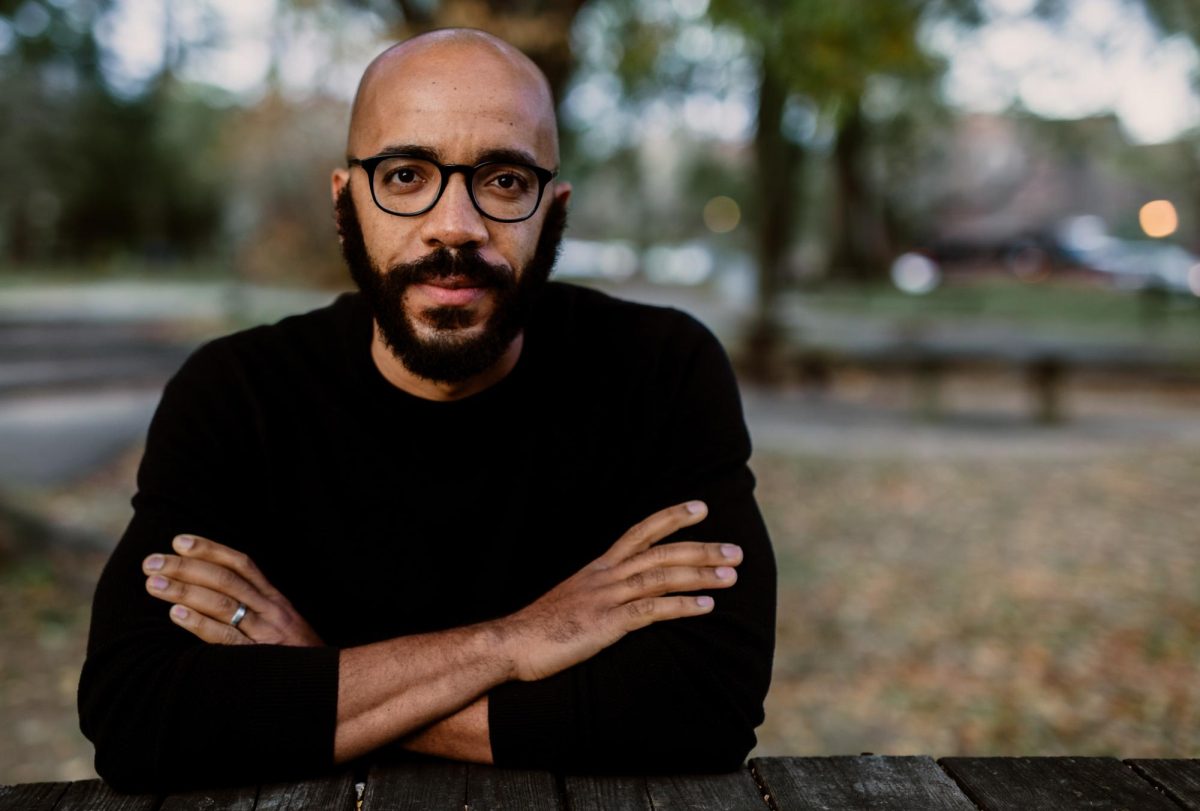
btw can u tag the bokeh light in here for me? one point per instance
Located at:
(722, 214)
(1159, 218)
(915, 274)
(1194, 279)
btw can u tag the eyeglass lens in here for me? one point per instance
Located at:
(506, 191)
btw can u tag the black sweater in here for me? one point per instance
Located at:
(380, 514)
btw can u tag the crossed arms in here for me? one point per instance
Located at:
(432, 687)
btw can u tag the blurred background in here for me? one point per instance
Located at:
(951, 247)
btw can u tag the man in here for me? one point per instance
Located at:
(466, 512)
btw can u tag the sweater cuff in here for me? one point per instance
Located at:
(534, 725)
(277, 702)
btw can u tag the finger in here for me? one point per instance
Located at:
(195, 546)
(208, 575)
(212, 604)
(653, 529)
(218, 633)
(681, 553)
(669, 579)
(640, 613)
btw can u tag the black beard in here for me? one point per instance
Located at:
(449, 358)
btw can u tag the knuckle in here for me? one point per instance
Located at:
(639, 609)
(658, 576)
(659, 555)
(225, 578)
(636, 581)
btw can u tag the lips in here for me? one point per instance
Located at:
(450, 292)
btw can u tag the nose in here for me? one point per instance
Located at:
(454, 222)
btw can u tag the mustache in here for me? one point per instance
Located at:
(444, 263)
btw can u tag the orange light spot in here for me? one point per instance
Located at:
(1159, 218)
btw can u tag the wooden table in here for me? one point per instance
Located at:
(867, 782)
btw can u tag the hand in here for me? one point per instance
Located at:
(207, 581)
(621, 591)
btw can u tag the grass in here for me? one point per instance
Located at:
(1069, 305)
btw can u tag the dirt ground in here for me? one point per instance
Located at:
(980, 585)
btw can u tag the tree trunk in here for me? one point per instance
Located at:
(777, 160)
(860, 244)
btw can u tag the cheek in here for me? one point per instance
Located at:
(517, 245)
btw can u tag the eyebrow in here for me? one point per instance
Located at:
(486, 156)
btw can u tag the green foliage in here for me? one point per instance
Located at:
(90, 172)
(829, 51)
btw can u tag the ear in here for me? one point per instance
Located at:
(562, 192)
(337, 182)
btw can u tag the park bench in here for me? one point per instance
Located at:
(1044, 369)
(778, 783)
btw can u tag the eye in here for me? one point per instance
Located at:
(507, 180)
(400, 175)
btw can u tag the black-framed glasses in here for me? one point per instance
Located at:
(410, 185)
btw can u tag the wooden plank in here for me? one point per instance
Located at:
(228, 799)
(31, 796)
(1178, 779)
(734, 791)
(607, 793)
(877, 783)
(1054, 783)
(332, 793)
(94, 795)
(416, 787)
(492, 789)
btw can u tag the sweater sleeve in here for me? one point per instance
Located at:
(165, 710)
(686, 694)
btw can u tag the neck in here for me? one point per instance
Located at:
(396, 373)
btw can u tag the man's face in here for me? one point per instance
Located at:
(448, 349)
(449, 287)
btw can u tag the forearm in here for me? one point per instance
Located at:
(462, 736)
(402, 686)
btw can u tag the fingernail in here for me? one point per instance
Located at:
(179, 612)
(724, 573)
(730, 551)
(184, 542)
(155, 562)
(695, 507)
(158, 583)
(704, 602)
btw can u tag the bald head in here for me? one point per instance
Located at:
(457, 70)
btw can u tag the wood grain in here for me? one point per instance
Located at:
(1054, 783)
(608, 793)
(416, 787)
(332, 793)
(1178, 779)
(93, 795)
(31, 796)
(229, 799)
(705, 792)
(492, 789)
(877, 783)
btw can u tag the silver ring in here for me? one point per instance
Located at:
(238, 615)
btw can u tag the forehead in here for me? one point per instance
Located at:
(457, 101)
